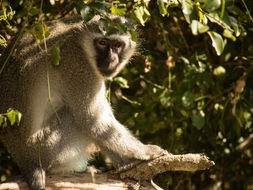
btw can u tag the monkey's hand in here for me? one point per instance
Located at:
(153, 151)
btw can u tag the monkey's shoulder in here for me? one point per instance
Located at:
(28, 50)
(57, 30)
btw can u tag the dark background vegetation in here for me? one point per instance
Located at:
(189, 89)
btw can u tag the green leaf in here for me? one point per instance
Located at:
(4, 124)
(212, 5)
(229, 34)
(118, 10)
(121, 27)
(219, 71)
(162, 9)
(34, 11)
(11, 115)
(121, 82)
(166, 100)
(188, 99)
(202, 28)
(18, 117)
(222, 8)
(39, 31)
(133, 35)
(55, 55)
(141, 13)
(197, 27)
(99, 7)
(194, 27)
(86, 13)
(194, 15)
(1, 120)
(104, 26)
(198, 121)
(187, 8)
(235, 26)
(215, 18)
(217, 42)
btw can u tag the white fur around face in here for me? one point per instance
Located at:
(90, 51)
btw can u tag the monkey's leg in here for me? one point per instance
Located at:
(26, 156)
(34, 176)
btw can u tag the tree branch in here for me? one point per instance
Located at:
(142, 171)
(168, 162)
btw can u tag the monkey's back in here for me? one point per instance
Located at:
(27, 60)
(23, 86)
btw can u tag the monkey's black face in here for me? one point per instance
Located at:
(109, 55)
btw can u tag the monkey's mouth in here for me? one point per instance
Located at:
(108, 71)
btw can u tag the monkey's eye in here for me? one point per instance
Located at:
(118, 44)
(102, 43)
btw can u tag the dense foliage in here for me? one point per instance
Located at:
(190, 87)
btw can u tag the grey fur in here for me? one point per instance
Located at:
(78, 98)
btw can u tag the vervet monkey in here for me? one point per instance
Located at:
(64, 108)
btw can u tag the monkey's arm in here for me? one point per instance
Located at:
(122, 147)
(97, 121)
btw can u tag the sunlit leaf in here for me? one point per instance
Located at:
(194, 15)
(198, 27)
(13, 116)
(18, 117)
(222, 8)
(187, 7)
(194, 27)
(202, 28)
(217, 42)
(4, 123)
(118, 10)
(52, 2)
(212, 5)
(201, 16)
(229, 34)
(218, 71)
(121, 81)
(3, 41)
(162, 8)
(141, 13)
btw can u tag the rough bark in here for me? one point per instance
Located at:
(141, 172)
(169, 162)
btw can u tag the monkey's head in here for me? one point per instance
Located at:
(109, 53)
